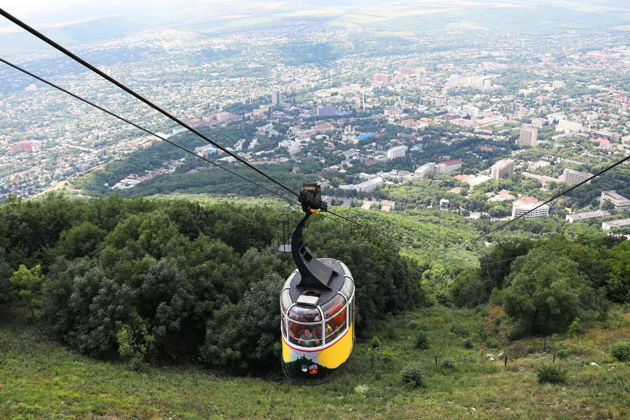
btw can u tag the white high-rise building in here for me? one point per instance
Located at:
(275, 98)
(529, 136)
(448, 166)
(612, 224)
(573, 177)
(525, 204)
(425, 169)
(502, 168)
(619, 201)
(366, 186)
(396, 152)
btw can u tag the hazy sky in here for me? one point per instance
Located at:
(46, 13)
(50, 12)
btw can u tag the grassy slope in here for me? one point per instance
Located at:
(40, 378)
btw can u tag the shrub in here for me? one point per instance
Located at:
(375, 343)
(411, 375)
(387, 355)
(468, 290)
(459, 330)
(492, 343)
(134, 345)
(448, 364)
(137, 365)
(514, 333)
(467, 343)
(422, 341)
(563, 354)
(551, 375)
(529, 349)
(621, 350)
(577, 327)
(28, 282)
(496, 297)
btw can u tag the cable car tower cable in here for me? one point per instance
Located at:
(137, 95)
(606, 169)
(139, 127)
(41, 79)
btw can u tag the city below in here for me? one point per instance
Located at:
(544, 109)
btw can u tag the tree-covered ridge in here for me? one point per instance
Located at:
(145, 279)
(153, 279)
(549, 286)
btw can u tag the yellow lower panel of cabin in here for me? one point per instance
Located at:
(331, 357)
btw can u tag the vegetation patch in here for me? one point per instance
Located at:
(422, 340)
(621, 350)
(551, 374)
(412, 375)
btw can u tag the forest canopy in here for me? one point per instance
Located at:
(146, 279)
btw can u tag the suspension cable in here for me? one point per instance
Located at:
(137, 95)
(606, 169)
(41, 79)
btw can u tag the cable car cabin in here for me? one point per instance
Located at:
(317, 325)
(317, 305)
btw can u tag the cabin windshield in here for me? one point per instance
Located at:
(305, 326)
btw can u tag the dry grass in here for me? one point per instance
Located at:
(40, 378)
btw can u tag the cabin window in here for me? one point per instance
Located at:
(348, 287)
(305, 335)
(304, 313)
(335, 315)
(351, 312)
(285, 300)
(336, 325)
(305, 326)
(331, 308)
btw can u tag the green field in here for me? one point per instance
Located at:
(40, 378)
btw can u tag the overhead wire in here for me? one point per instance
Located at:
(94, 69)
(53, 85)
(110, 79)
(152, 105)
(207, 139)
(606, 169)
(555, 249)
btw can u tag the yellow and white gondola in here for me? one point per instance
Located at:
(317, 306)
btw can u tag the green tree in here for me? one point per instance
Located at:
(618, 286)
(245, 336)
(468, 289)
(81, 240)
(496, 264)
(545, 293)
(6, 289)
(28, 283)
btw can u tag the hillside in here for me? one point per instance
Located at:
(168, 307)
(40, 378)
